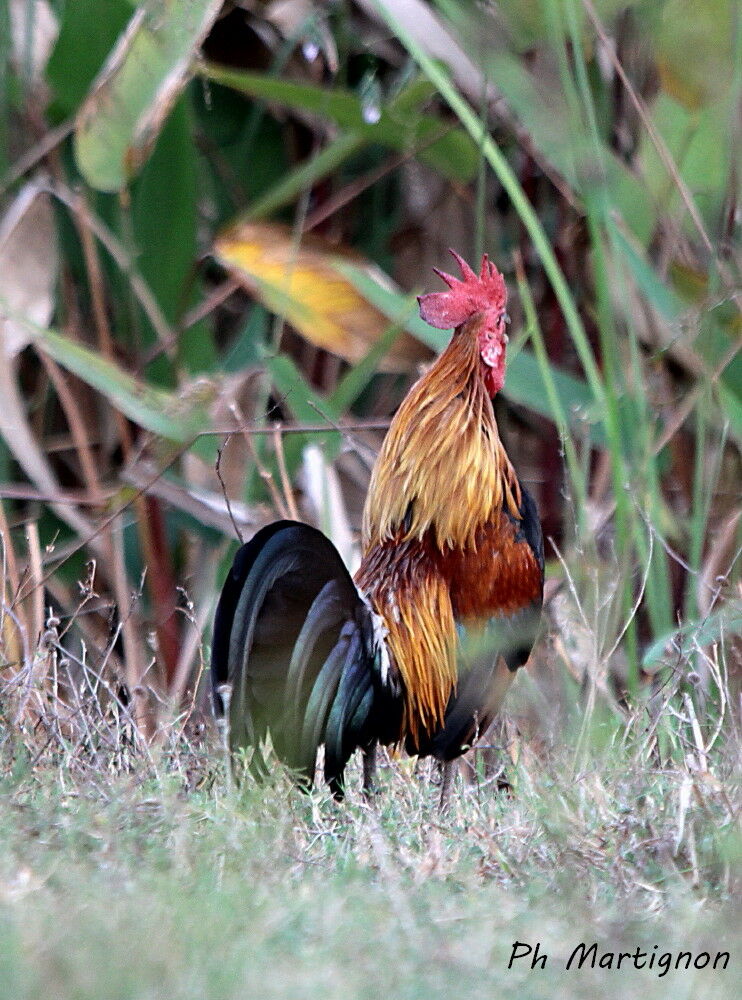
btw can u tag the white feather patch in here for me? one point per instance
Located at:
(380, 638)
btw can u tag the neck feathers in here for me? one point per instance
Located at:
(442, 467)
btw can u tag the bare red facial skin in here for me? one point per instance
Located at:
(483, 293)
(492, 348)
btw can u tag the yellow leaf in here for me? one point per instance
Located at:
(300, 283)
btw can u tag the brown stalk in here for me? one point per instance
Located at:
(30, 707)
(162, 588)
(36, 596)
(160, 579)
(223, 485)
(10, 563)
(220, 294)
(120, 255)
(11, 628)
(353, 189)
(329, 427)
(53, 138)
(192, 647)
(130, 627)
(76, 425)
(285, 481)
(713, 571)
(20, 491)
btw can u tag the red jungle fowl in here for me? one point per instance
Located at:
(421, 648)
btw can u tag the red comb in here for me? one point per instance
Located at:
(468, 295)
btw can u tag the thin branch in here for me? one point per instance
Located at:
(220, 294)
(122, 258)
(218, 470)
(35, 154)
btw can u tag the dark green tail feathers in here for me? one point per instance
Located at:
(294, 646)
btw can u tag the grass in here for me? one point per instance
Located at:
(131, 874)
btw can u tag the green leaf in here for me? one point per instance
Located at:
(524, 384)
(731, 405)
(449, 151)
(87, 33)
(727, 621)
(306, 175)
(305, 403)
(162, 413)
(699, 143)
(563, 143)
(355, 381)
(120, 119)
(164, 220)
(301, 283)
(398, 308)
(664, 299)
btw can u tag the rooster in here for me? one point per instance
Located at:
(420, 648)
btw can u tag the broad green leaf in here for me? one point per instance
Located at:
(699, 144)
(164, 220)
(694, 46)
(449, 151)
(525, 385)
(136, 89)
(664, 299)
(87, 33)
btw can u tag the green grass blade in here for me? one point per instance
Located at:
(160, 412)
(449, 151)
(134, 92)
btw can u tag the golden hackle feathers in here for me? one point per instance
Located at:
(407, 589)
(442, 466)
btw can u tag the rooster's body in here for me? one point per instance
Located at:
(421, 648)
